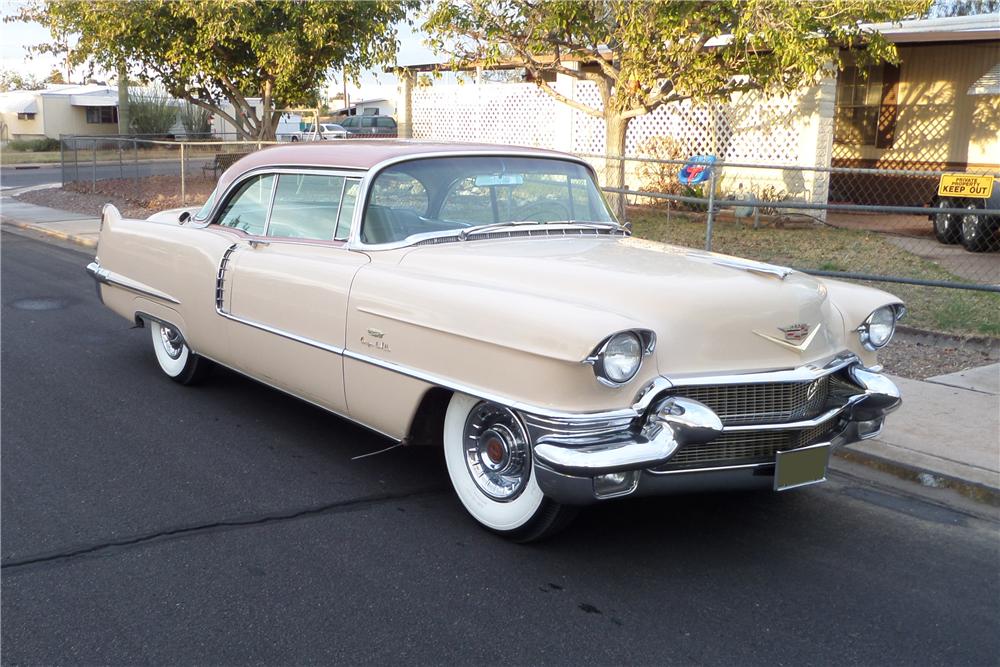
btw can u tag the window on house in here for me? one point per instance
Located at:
(866, 105)
(102, 114)
(26, 116)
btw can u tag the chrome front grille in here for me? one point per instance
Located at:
(761, 403)
(742, 447)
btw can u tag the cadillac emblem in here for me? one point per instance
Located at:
(795, 332)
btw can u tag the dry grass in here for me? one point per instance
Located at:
(832, 249)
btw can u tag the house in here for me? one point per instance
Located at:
(59, 109)
(938, 109)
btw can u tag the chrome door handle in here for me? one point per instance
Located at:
(257, 242)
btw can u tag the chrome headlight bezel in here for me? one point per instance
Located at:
(645, 341)
(896, 311)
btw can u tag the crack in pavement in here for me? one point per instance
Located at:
(342, 505)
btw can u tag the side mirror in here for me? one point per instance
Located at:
(184, 217)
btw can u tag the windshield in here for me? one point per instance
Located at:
(456, 193)
(206, 208)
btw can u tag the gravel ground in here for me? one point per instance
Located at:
(912, 354)
(919, 355)
(133, 202)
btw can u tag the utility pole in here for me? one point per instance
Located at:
(123, 119)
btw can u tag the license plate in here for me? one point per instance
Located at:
(801, 467)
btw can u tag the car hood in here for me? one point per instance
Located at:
(709, 311)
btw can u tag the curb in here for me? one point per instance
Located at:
(972, 490)
(62, 236)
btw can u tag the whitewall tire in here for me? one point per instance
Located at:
(176, 360)
(488, 455)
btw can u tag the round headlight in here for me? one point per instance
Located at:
(619, 360)
(877, 330)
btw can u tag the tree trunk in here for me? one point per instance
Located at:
(614, 168)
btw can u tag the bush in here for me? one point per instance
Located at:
(33, 145)
(196, 121)
(150, 111)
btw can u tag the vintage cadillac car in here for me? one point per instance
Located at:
(485, 299)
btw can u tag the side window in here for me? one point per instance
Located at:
(306, 206)
(351, 121)
(246, 210)
(368, 121)
(347, 209)
(395, 210)
(382, 121)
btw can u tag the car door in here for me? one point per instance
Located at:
(284, 286)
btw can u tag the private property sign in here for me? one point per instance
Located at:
(964, 185)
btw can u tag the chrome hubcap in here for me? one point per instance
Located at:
(943, 220)
(497, 453)
(172, 343)
(969, 225)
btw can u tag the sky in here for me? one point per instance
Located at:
(15, 37)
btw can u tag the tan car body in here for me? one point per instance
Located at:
(367, 332)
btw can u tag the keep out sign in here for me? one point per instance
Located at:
(964, 185)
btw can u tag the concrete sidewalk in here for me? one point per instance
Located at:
(946, 434)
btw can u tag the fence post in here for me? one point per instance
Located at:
(183, 191)
(135, 163)
(711, 211)
(93, 170)
(62, 161)
(121, 165)
(76, 160)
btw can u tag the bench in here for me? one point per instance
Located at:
(222, 162)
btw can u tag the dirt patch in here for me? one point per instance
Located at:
(135, 199)
(918, 355)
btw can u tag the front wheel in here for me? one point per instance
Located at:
(174, 356)
(488, 454)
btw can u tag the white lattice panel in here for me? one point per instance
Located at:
(750, 129)
(518, 114)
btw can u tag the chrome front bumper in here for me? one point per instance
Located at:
(582, 460)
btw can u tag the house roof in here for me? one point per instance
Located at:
(946, 29)
(19, 101)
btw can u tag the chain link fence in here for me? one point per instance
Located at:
(870, 224)
(150, 173)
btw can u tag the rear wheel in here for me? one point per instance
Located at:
(488, 454)
(974, 234)
(946, 224)
(175, 358)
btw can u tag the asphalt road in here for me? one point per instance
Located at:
(20, 177)
(148, 522)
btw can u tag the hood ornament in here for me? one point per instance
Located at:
(795, 336)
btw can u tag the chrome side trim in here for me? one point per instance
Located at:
(102, 275)
(430, 378)
(684, 471)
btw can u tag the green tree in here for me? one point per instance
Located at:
(642, 54)
(11, 80)
(214, 52)
(55, 77)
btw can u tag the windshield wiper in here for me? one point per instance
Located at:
(475, 229)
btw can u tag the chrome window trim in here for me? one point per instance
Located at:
(317, 170)
(354, 240)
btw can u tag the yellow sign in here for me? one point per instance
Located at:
(964, 185)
